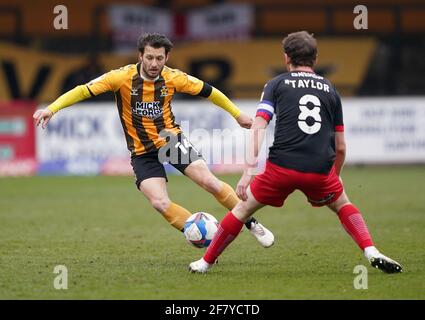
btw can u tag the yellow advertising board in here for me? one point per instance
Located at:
(238, 68)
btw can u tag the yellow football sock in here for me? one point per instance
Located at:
(227, 196)
(176, 215)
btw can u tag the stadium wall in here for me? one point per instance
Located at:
(88, 138)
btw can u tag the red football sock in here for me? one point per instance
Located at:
(355, 226)
(228, 230)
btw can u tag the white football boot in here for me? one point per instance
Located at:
(381, 262)
(199, 266)
(263, 235)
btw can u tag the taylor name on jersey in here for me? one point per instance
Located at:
(307, 83)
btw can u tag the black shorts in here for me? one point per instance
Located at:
(178, 152)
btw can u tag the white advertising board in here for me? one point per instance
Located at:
(88, 138)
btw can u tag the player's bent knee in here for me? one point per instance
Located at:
(160, 204)
(339, 203)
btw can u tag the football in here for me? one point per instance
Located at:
(200, 228)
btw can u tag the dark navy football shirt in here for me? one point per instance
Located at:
(308, 112)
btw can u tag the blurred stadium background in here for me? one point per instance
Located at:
(234, 45)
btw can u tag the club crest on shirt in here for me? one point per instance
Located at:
(164, 91)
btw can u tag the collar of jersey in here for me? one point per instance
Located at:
(303, 71)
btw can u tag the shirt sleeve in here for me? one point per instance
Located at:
(266, 107)
(110, 81)
(339, 121)
(185, 83)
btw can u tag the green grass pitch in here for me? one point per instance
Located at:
(115, 246)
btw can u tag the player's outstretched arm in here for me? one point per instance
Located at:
(219, 98)
(71, 97)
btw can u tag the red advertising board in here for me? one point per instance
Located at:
(17, 139)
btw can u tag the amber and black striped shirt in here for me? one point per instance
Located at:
(144, 106)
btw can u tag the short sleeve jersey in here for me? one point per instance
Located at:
(144, 106)
(308, 113)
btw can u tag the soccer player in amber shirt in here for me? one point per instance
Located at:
(308, 153)
(143, 94)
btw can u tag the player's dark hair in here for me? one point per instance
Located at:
(154, 40)
(301, 47)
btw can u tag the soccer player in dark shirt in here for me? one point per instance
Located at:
(308, 154)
